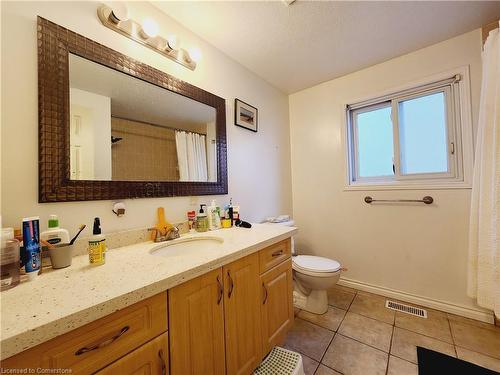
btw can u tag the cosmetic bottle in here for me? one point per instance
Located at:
(202, 220)
(9, 259)
(213, 216)
(97, 245)
(55, 235)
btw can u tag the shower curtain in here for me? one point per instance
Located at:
(484, 231)
(191, 156)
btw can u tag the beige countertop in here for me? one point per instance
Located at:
(59, 301)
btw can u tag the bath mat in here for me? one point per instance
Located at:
(434, 363)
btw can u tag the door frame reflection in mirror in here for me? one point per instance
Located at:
(55, 43)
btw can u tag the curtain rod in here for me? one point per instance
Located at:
(428, 86)
(158, 126)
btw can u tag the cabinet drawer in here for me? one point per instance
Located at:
(95, 345)
(149, 359)
(274, 255)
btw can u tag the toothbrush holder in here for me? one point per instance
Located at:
(61, 256)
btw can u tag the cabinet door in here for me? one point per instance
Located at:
(277, 305)
(242, 315)
(196, 326)
(149, 359)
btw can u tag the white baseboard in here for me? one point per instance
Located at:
(477, 314)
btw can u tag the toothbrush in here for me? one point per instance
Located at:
(82, 227)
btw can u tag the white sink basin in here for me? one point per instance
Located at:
(187, 245)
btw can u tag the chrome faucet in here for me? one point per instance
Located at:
(171, 234)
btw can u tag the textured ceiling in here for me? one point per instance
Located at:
(298, 46)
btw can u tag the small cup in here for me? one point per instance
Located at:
(61, 255)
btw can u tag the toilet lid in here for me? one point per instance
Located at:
(317, 264)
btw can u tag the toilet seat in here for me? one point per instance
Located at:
(314, 265)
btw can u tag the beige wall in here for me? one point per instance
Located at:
(146, 152)
(259, 163)
(421, 250)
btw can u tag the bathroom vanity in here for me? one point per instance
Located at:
(213, 309)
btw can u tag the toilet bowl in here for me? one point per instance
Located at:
(312, 277)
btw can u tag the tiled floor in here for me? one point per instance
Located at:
(359, 335)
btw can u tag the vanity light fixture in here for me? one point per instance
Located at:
(116, 19)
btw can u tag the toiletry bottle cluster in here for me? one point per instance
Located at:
(212, 217)
(14, 257)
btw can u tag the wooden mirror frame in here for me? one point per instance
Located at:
(54, 43)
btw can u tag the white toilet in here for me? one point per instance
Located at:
(312, 277)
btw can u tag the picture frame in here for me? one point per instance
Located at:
(245, 115)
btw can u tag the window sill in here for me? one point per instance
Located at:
(408, 186)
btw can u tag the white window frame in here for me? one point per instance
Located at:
(459, 134)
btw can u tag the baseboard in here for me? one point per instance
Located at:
(481, 315)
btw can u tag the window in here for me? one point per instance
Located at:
(407, 138)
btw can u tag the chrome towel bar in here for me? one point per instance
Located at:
(427, 200)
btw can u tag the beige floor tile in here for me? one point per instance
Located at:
(477, 339)
(354, 358)
(398, 366)
(404, 345)
(436, 325)
(372, 306)
(323, 370)
(331, 319)
(344, 288)
(369, 331)
(472, 322)
(478, 359)
(341, 297)
(310, 365)
(309, 339)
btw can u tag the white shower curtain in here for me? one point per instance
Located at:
(191, 156)
(484, 231)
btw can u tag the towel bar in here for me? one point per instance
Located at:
(427, 200)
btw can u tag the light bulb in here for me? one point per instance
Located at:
(195, 54)
(119, 12)
(149, 28)
(173, 42)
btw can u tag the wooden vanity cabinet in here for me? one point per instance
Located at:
(223, 322)
(226, 321)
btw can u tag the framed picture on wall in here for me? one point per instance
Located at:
(245, 115)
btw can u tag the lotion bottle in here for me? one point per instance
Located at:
(55, 235)
(97, 245)
(213, 216)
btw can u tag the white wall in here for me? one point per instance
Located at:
(420, 250)
(258, 163)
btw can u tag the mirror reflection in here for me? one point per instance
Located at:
(125, 129)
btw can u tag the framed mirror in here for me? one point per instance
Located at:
(111, 127)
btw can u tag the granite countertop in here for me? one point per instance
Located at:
(58, 301)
